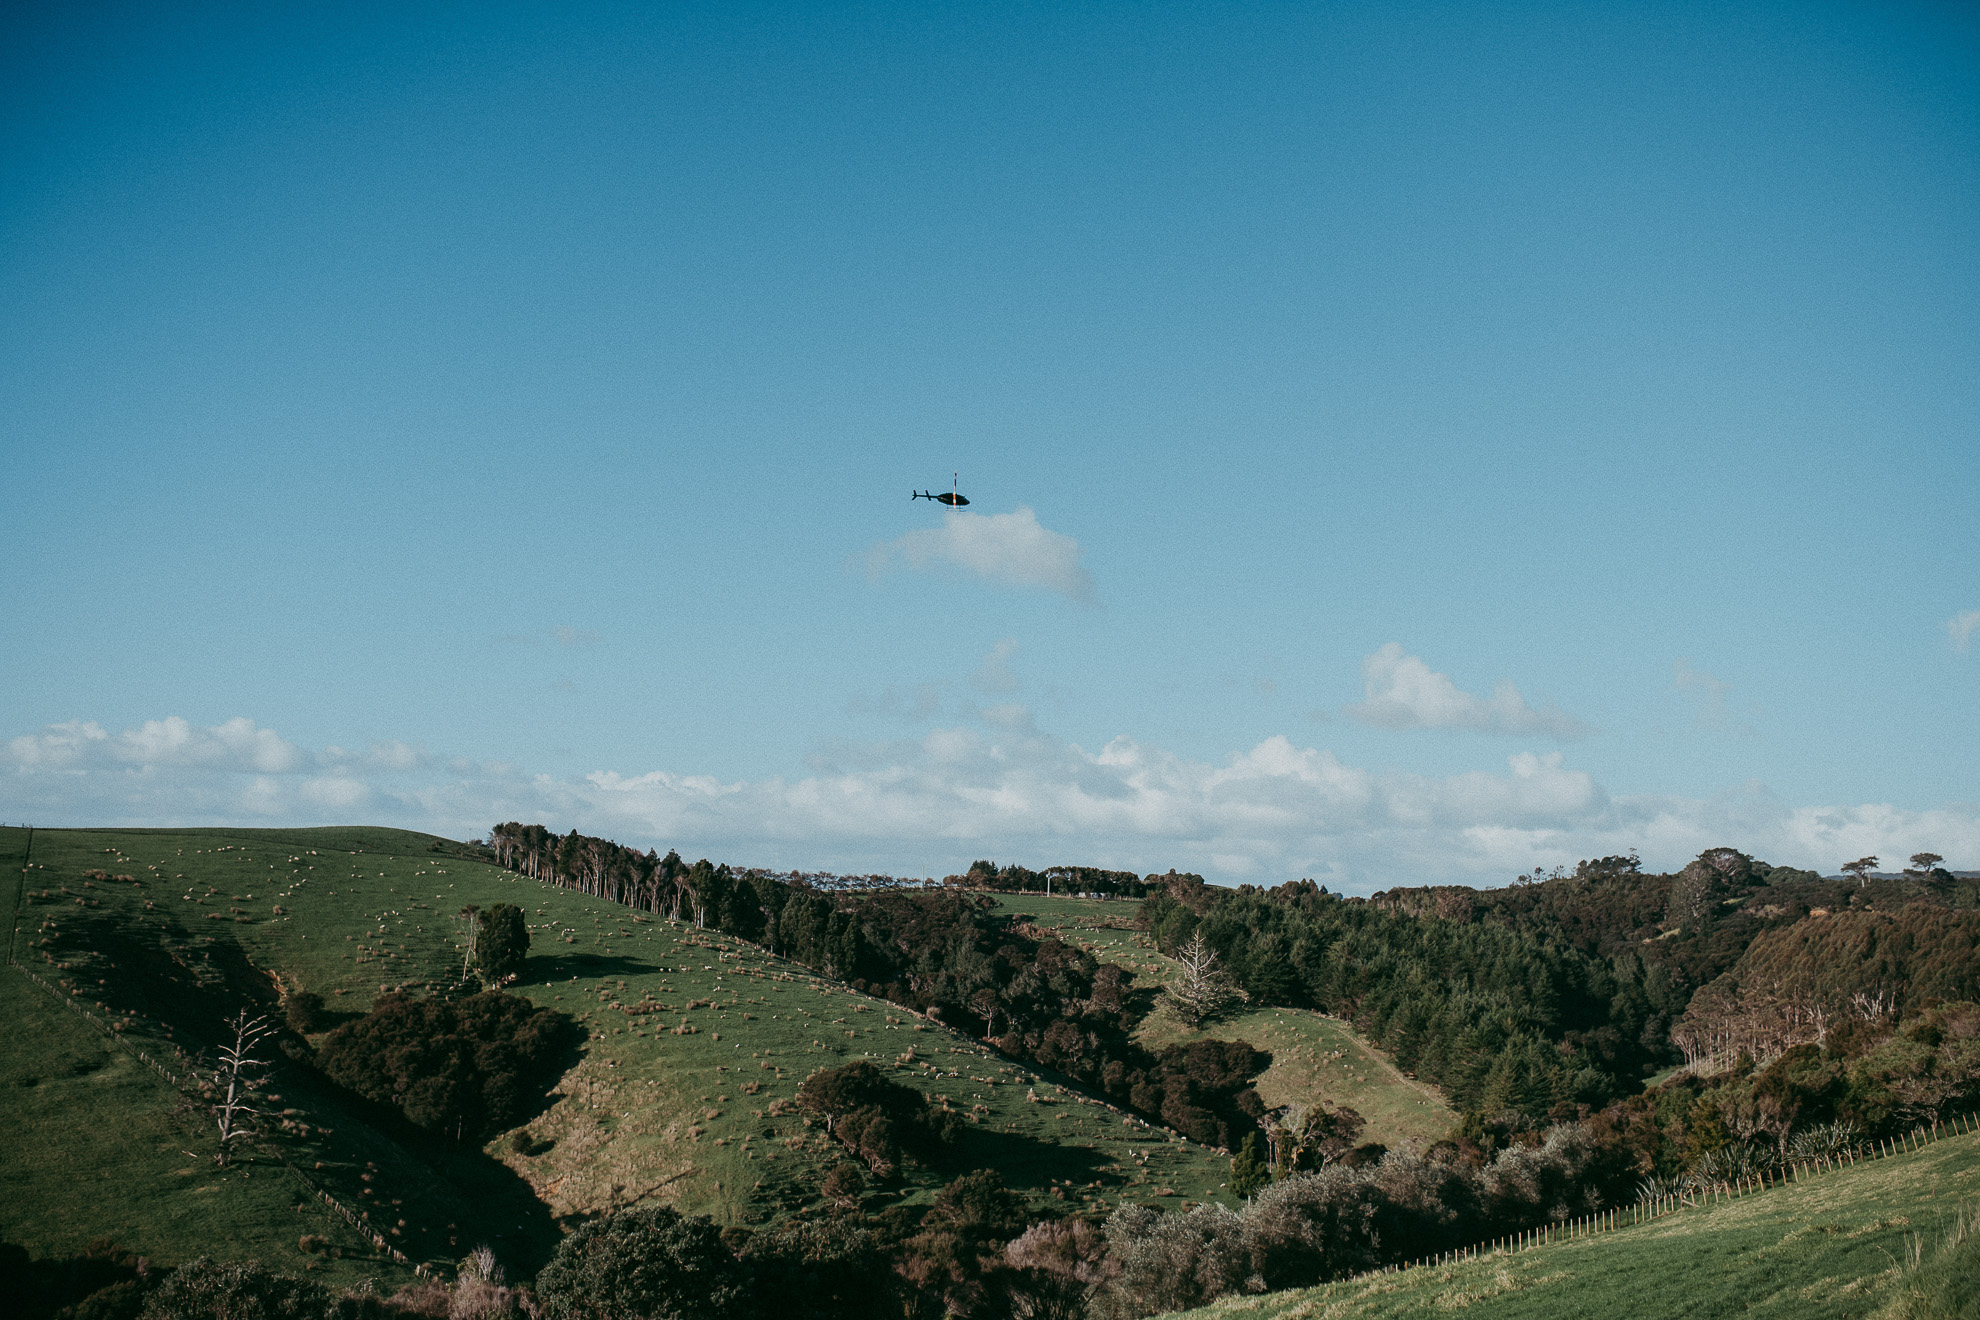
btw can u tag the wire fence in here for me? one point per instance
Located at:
(1660, 1207)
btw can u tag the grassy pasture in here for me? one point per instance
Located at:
(1841, 1244)
(695, 1046)
(97, 1146)
(1313, 1056)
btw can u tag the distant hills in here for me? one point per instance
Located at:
(1649, 1028)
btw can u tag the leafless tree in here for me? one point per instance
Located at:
(237, 1080)
(1293, 1131)
(470, 938)
(985, 1004)
(1057, 1265)
(1200, 990)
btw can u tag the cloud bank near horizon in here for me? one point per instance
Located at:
(995, 788)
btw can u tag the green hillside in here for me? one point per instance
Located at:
(695, 1045)
(1314, 1057)
(1865, 1240)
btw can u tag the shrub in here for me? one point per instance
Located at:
(1173, 1262)
(1249, 1171)
(1056, 1266)
(97, 1278)
(480, 1292)
(647, 1264)
(206, 1289)
(461, 1066)
(844, 1184)
(1343, 1219)
(119, 1301)
(981, 1205)
(825, 1270)
(304, 1012)
(875, 1117)
(503, 942)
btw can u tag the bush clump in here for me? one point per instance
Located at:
(459, 1066)
(304, 1011)
(652, 1263)
(206, 1289)
(876, 1118)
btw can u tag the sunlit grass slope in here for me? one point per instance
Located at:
(681, 1091)
(1841, 1244)
(1314, 1057)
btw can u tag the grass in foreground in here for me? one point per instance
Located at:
(1869, 1240)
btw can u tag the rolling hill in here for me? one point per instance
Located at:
(1314, 1057)
(680, 1091)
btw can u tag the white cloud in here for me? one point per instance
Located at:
(996, 786)
(59, 746)
(1401, 692)
(1962, 626)
(1009, 549)
(238, 744)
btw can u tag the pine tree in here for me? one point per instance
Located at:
(1250, 1172)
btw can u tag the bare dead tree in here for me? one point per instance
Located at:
(1877, 1003)
(470, 938)
(1200, 990)
(237, 1080)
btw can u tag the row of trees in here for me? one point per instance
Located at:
(1012, 879)
(653, 883)
(941, 953)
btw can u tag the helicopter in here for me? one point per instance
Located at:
(950, 498)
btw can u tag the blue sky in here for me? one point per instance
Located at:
(1406, 442)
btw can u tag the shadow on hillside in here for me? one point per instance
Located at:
(451, 1195)
(192, 978)
(1141, 998)
(1025, 1162)
(537, 971)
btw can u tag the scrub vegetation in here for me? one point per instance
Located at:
(481, 1066)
